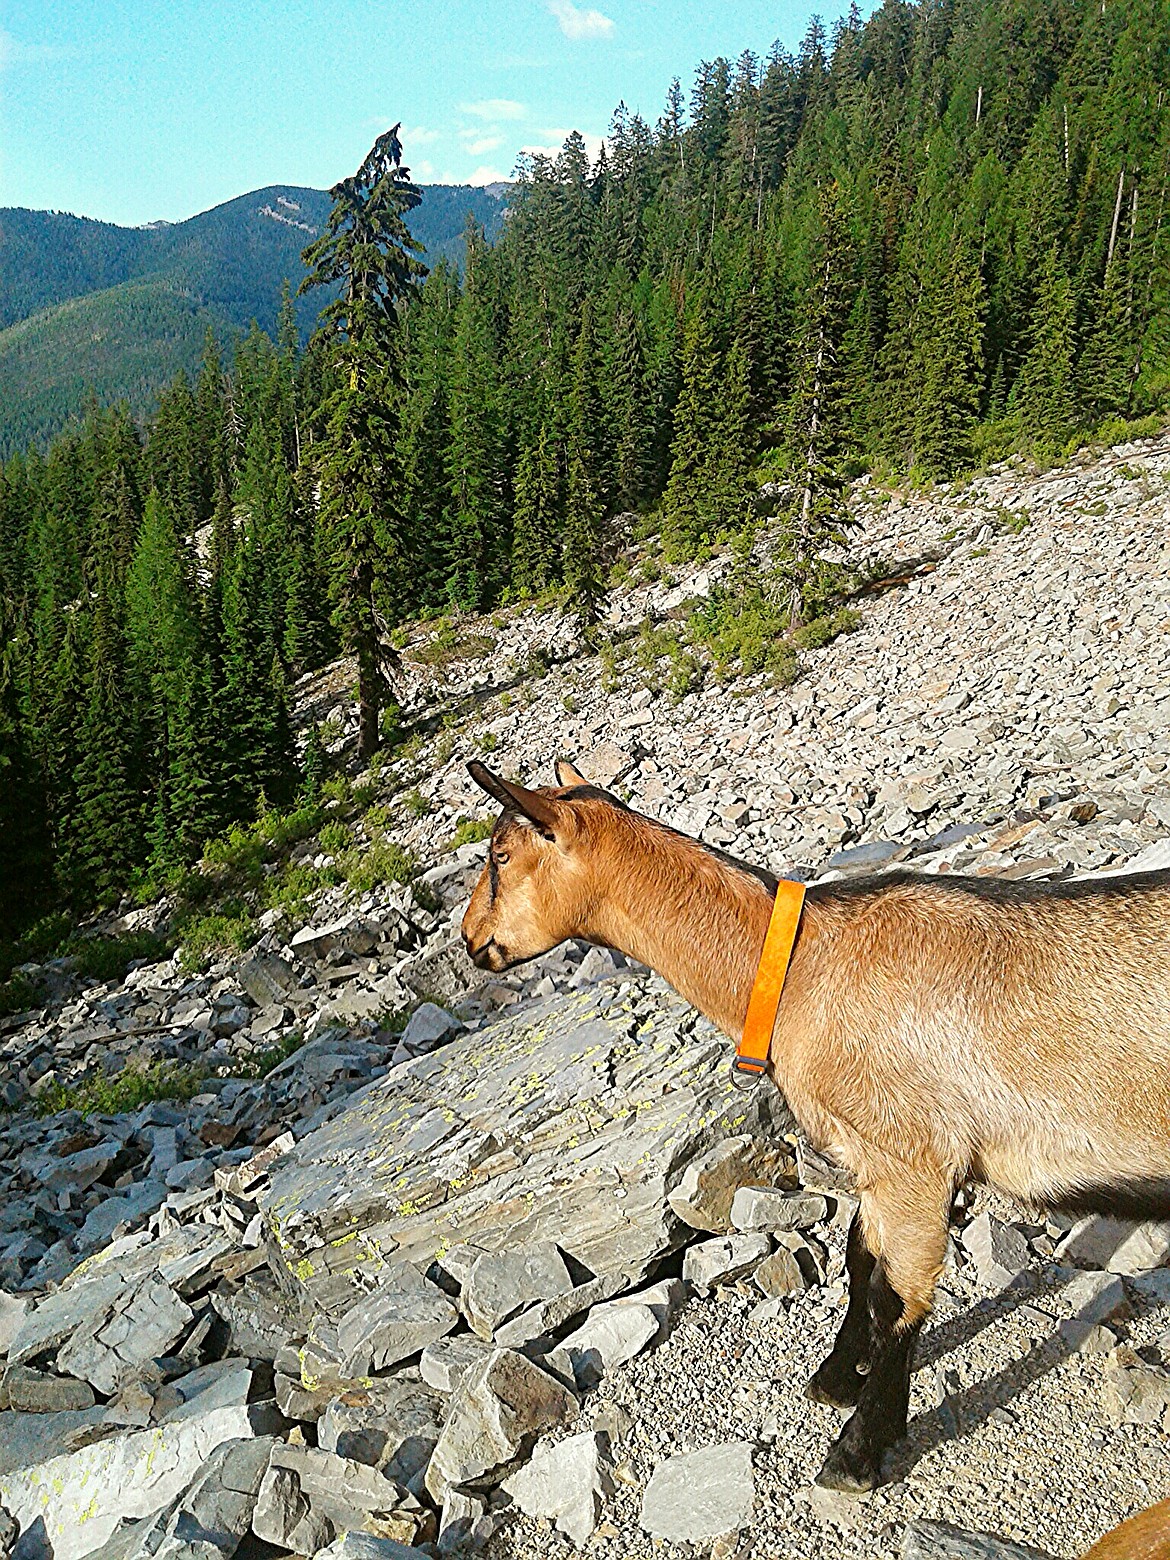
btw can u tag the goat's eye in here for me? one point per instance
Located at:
(501, 858)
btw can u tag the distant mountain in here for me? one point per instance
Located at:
(89, 306)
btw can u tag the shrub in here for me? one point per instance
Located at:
(220, 932)
(335, 837)
(129, 1090)
(381, 862)
(107, 958)
(823, 630)
(470, 830)
(416, 804)
(17, 995)
(745, 634)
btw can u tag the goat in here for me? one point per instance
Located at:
(1144, 1537)
(931, 1030)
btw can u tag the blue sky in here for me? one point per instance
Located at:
(137, 111)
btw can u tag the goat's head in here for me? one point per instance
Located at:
(538, 886)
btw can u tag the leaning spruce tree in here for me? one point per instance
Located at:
(367, 252)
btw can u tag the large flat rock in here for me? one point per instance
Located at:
(569, 1122)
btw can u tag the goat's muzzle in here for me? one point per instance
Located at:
(488, 956)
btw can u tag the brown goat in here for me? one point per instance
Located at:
(1144, 1537)
(931, 1030)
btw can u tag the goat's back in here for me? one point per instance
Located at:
(1144, 1537)
(1022, 1030)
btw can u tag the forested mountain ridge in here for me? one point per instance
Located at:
(118, 311)
(935, 238)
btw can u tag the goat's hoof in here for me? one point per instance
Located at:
(850, 1468)
(837, 1385)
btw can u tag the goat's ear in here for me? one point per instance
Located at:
(540, 810)
(568, 774)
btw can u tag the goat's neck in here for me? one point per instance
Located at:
(695, 918)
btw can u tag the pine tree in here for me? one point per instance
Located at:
(478, 543)
(367, 251)
(1045, 392)
(107, 839)
(815, 421)
(581, 550)
(690, 505)
(950, 356)
(535, 520)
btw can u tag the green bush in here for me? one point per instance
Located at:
(470, 830)
(335, 837)
(128, 1090)
(416, 804)
(823, 630)
(371, 866)
(17, 995)
(229, 929)
(745, 634)
(107, 958)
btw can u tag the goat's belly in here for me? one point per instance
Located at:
(1106, 1172)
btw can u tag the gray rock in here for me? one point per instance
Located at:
(566, 1482)
(427, 1027)
(1118, 1245)
(12, 1313)
(261, 1318)
(27, 1439)
(548, 1316)
(924, 1540)
(1095, 1297)
(610, 1335)
(80, 1497)
(391, 1425)
(708, 1186)
(765, 1208)
(1136, 1393)
(504, 1282)
(498, 1409)
(568, 1123)
(998, 1251)
(139, 1325)
(714, 1262)
(308, 1497)
(208, 1520)
(267, 978)
(117, 1214)
(783, 1273)
(464, 1524)
(442, 1364)
(605, 763)
(368, 1546)
(38, 1392)
(400, 1317)
(700, 1495)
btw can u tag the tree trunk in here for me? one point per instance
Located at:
(369, 700)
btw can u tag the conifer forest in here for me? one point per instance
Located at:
(923, 243)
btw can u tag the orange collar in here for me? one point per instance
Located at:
(751, 1055)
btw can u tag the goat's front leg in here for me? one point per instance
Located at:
(840, 1379)
(906, 1221)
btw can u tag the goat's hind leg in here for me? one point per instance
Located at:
(907, 1222)
(840, 1380)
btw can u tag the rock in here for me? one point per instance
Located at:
(700, 1495)
(116, 1215)
(998, 1251)
(391, 1425)
(605, 764)
(308, 1497)
(610, 1335)
(442, 1364)
(548, 1316)
(1136, 1393)
(714, 1262)
(1095, 1297)
(783, 1273)
(567, 1124)
(704, 1195)
(428, 1026)
(139, 1325)
(765, 1208)
(1118, 1245)
(368, 1546)
(504, 1282)
(242, 1180)
(464, 1524)
(924, 1540)
(566, 1483)
(38, 1392)
(80, 1497)
(27, 1439)
(1146, 1246)
(209, 1518)
(267, 978)
(399, 1318)
(12, 1313)
(260, 1318)
(497, 1410)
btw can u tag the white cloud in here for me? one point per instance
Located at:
(580, 22)
(479, 145)
(485, 176)
(495, 109)
(419, 135)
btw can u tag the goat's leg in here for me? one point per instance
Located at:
(907, 1222)
(840, 1379)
